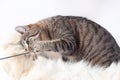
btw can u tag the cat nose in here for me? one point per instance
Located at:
(29, 49)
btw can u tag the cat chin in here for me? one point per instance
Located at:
(22, 68)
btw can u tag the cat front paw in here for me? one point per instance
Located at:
(33, 55)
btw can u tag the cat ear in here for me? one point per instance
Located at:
(22, 29)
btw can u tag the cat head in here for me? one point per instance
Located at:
(29, 33)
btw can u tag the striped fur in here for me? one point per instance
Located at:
(75, 38)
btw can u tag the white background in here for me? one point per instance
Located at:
(22, 12)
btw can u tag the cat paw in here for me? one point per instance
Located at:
(34, 56)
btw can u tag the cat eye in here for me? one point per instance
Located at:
(37, 50)
(27, 42)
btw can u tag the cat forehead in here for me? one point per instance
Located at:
(31, 25)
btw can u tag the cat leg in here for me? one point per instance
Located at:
(59, 45)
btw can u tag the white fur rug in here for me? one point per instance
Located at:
(21, 68)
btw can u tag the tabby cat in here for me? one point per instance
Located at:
(74, 38)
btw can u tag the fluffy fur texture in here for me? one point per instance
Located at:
(22, 68)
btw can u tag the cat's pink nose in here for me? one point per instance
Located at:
(29, 49)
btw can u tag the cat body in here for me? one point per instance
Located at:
(73, 38)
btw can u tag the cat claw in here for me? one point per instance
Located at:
(34, 56)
